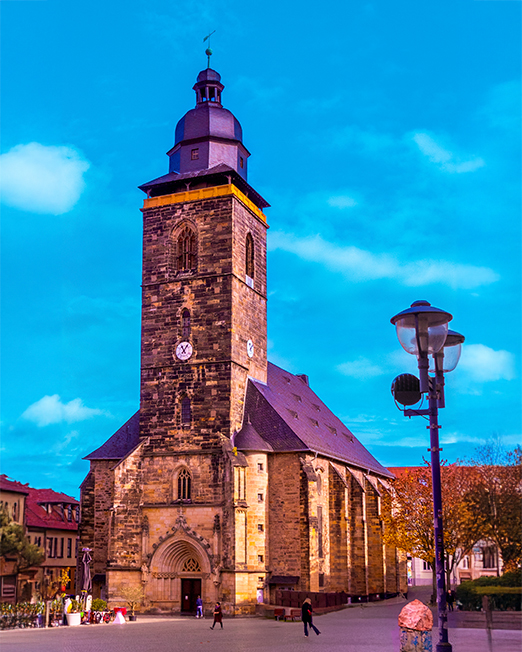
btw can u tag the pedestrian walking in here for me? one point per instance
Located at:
(218, 616)
(450, 599)
(199, 607)
(306, 617)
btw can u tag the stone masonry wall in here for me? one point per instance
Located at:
(102, 496)
(126, 541)
(225, 313)
(284, 514)
(338, 535)
(375, 543)
(357, 539)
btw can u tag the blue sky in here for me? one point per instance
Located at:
(386, 137)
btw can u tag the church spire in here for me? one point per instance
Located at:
(208, 87)
(208, 51)
(208, 135)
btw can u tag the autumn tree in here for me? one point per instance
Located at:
(14, 543)
(496, 498)
(408, 514)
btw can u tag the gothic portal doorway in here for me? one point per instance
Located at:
(190, 589)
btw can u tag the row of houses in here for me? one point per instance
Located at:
(50, 521)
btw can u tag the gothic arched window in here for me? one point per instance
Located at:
(184, 482)
(191, 566)
(186, 411)
(249, 263)
(186, 258)
(185, 324)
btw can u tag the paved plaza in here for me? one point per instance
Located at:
(371, 628)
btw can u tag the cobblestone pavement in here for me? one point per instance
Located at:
(372, 628)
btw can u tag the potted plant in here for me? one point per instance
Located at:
(133, 596)
(73, 613)
(98, 609)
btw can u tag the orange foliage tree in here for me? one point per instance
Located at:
(408, 514)
(496, 498)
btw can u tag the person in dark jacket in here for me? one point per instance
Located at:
(306, 617)
(218, 616)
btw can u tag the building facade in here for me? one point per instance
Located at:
(50, 521)
(234, 479)
(485, 560)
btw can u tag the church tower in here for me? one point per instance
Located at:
(204, 282)
(233, 481)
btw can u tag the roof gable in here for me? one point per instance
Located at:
(303, 421)
(121, 443)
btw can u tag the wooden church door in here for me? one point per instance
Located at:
(190, 589)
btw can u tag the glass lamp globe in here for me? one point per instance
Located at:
(422, 329)
(448, 357)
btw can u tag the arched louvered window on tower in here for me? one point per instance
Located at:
(184, 485)
(186, 411)
(186, 254)
(185, 324)
(249, 263)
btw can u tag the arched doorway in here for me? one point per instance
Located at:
(178, 570)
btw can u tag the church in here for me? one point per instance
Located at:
(233, 481)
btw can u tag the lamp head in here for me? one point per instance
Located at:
(422, 329)
(448, 357)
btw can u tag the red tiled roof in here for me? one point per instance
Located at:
(35, 514)
(399, 471)
(6, 484)
(38, 517)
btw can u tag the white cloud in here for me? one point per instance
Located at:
(484, 364)
(50, 409)
(42, 179)
(361, 368)
(341, 201)
(363, 265)
(67, 443)
(445, 159)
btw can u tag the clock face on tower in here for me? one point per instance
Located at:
(184, 350)
(250, 349)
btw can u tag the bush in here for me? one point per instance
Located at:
(98, 605)
(504, 592)
(501, 598)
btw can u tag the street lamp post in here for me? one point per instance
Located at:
(423, 331)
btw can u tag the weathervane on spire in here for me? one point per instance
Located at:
(208, 51)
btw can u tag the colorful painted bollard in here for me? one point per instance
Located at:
(416, 623)
(413, 641)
